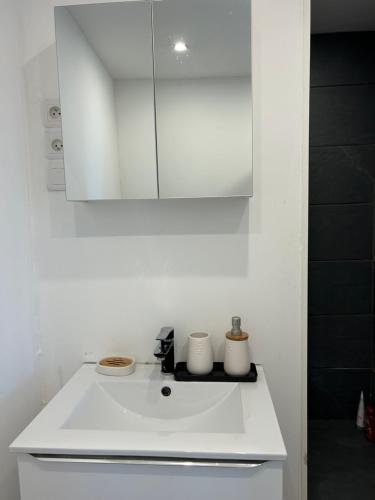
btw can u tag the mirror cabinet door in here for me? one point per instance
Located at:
(202, 57)
(105, 66)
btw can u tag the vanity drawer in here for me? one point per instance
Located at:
(50, 480)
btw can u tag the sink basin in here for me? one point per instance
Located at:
(97, 415)
(141, 406)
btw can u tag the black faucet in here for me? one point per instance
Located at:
(165, 351)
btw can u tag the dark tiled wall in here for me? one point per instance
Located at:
(341, 231)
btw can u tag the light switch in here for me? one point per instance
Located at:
(56, 176)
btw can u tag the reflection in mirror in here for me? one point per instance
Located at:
(203, 97)
(107, 99)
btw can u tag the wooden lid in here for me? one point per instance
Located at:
(116, 361)
(243, 336)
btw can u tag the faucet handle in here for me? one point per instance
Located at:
(166, 333)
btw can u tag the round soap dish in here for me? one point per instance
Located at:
(117, 366)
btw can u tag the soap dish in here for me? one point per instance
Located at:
(117, 366)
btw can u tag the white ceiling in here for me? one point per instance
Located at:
(217, 33)
(330, 16)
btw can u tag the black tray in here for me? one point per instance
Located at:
(217, 375)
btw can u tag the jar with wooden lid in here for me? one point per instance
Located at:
(236, 351)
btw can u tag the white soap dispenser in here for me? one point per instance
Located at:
(236, 352)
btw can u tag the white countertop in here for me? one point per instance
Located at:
(260, 440)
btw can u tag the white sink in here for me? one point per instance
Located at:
(139, 405)
(99, 415)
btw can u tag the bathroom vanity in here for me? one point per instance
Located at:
(103, 437)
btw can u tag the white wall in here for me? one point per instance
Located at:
(90, 129)
(19, 367)
(112, 273)
(136, 138)
(204, 132)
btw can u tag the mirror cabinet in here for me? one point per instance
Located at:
(156, 99)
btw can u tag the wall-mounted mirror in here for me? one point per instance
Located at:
(156, 99)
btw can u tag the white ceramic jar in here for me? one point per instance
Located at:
(200, 357)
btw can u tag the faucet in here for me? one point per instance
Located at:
(165, 351)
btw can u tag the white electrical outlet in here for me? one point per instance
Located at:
(51, 113)
(54, 147)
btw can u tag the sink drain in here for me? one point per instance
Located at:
(166, 391)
